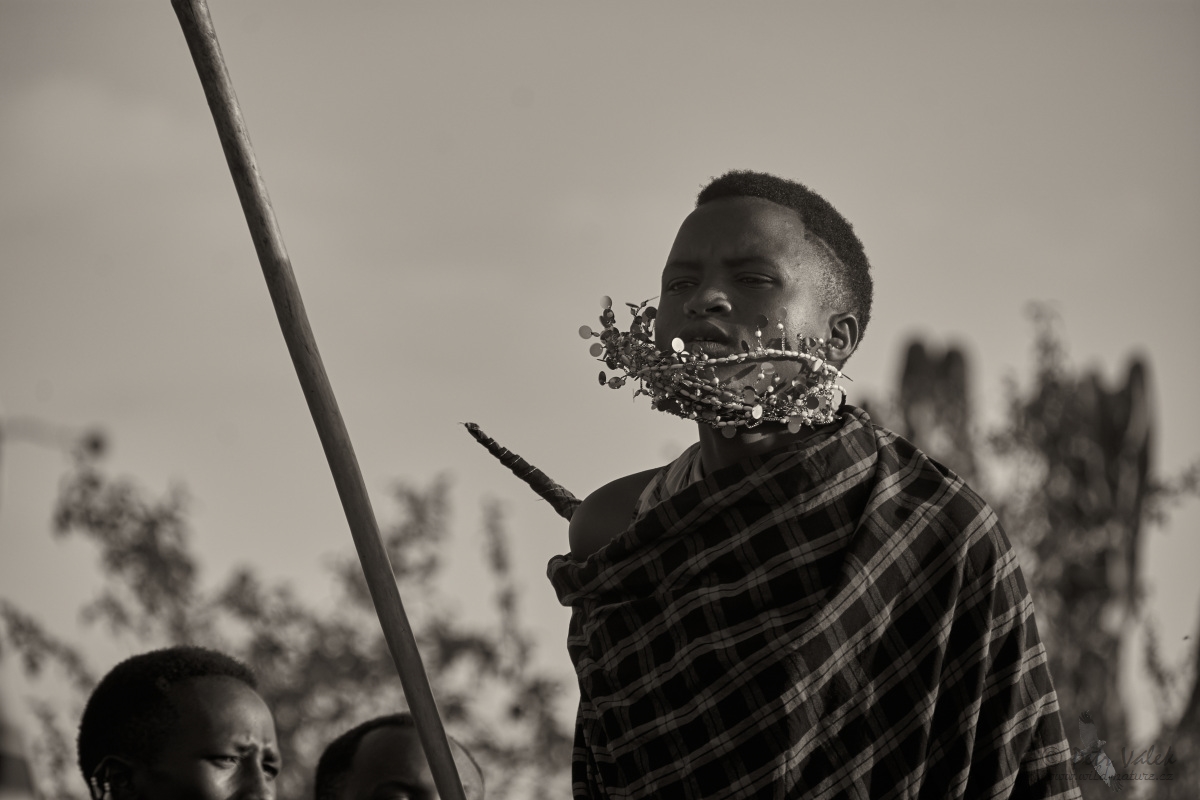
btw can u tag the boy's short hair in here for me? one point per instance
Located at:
(334, 764)
(129, 712)
(849, 285)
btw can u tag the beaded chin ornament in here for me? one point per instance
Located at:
(687, 385)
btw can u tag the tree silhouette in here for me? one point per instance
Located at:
(1067, 469)
(321, 670)
(1068, 472)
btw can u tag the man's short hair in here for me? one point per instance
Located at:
(129, 712)
(849, 286)
(334, 765)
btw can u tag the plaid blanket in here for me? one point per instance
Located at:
(841, 619)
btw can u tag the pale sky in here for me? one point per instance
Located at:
(458, 186)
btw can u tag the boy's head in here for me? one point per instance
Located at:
(761, 246)
(184, 722)
(382, 757)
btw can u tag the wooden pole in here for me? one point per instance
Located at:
(289, 308)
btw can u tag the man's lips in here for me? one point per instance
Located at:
(705, 333)
(708, 338)
(709, 347)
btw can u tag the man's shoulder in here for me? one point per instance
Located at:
(914, 480)
(606, 512)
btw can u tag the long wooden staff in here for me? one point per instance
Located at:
(285, 294)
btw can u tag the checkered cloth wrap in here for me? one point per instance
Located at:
(841, 619)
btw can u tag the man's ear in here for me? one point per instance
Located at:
(112, 779)
(843, 336)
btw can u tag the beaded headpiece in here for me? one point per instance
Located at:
(687, 385)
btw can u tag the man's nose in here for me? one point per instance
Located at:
(708, 299)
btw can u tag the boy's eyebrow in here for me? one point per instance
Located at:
(267, 750)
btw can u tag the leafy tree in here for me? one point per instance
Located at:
(322, 670)
(1068, 472)
(1067, 469)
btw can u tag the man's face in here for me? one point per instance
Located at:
(222, 747)
(735, 261)
(390, 765)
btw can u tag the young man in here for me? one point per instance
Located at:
(815, 611)
(184, 723)
(382, 758)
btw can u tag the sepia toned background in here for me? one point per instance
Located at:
(459, 185)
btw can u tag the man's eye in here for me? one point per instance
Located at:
(225, 761)
(754, 280)
(680, 284)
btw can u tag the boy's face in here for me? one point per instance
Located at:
(222, 746)
(735, 260)
(390, 765)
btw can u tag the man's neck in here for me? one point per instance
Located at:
(716, 451)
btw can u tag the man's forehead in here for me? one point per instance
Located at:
(396, 747)
(746, 211)
(215, 700)
(739, 231)
(220, 709)
(740, 227)
(393, 753)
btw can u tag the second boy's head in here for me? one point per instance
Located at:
(184, 723)
(382, 759)
(760, 246)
